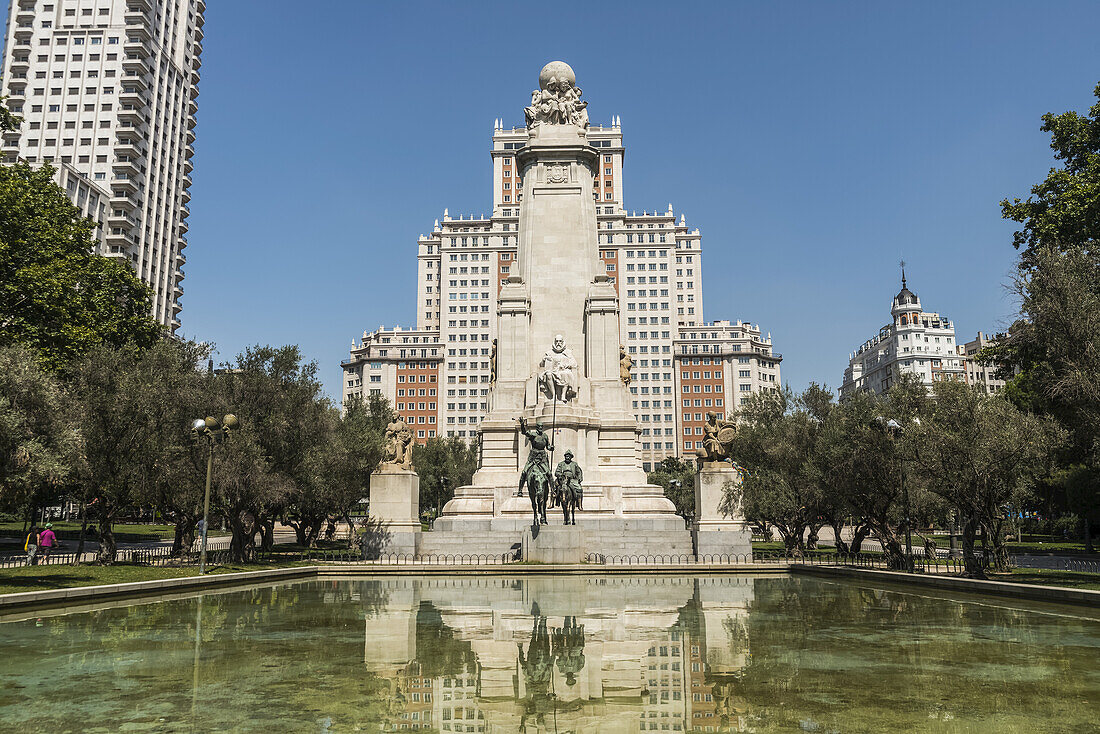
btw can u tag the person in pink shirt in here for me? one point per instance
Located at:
(47, 541)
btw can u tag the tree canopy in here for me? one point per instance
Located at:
(56, 295)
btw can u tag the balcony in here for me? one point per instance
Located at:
(121, 200)
(186, 181)
(129, 149)
(118, 239)
(135, 47)
(125, 183)
(143, 4)
(181, 260)
(192, 107)
(194, 91)
(23, 63)
(132, 96)
(135, 17)
(129, 113)
(129, 167)
(198, 33)
(188, 166)
(136, 32)
(185, 195)
(184, 226)
(195, 76)
(23, 32)
(135, 63)
(136, 80)
(200, 7)
(190, 138)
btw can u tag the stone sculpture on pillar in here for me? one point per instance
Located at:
(558, 372)
(718, 434)
(399, 442)
(718, 533)
(626, 363)
(557, 101)
(395, 491)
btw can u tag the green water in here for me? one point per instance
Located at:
(565, 654)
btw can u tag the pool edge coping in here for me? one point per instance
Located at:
(1007, 589)
(136, 589)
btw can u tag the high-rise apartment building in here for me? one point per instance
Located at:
(106, 90)
(916, 342)
(655, 262)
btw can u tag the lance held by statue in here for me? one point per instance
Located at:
(568, 491)
(536, 472)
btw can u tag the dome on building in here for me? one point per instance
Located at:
(905, 297)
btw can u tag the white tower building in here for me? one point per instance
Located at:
(916, 342)
(106, 90)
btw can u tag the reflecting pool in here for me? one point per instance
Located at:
(556, 654)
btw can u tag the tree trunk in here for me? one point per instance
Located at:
(841, 545)
(973, 569)
(267, 534)
(243, 544)
(353, 536)
(892, 547)
(859, 534)
(299, 533)
(108, 548)
(811, 540)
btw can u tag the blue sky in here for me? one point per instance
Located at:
(814, 144)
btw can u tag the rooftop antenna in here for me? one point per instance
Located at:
(902, 263)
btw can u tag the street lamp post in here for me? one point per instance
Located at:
(215, 433)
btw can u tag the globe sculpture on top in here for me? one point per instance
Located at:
(557, 101)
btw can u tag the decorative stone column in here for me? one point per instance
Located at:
(716, 533)
(395, 500)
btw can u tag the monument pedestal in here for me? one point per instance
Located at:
(716, 533)
(552, 544)
(395, 500)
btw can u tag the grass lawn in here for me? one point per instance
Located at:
(43, 578)
(1048, 577)
(1031, 543)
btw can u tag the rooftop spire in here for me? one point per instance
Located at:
(902, 273)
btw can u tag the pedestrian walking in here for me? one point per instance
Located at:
(30, 545)
(47, 541)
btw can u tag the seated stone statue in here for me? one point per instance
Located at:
(398, 443)
(558, 372)
(718, 433)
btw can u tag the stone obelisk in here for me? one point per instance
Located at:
(558, 360)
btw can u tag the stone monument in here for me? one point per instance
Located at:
(558, 361)
(395, 491)
(718, 533)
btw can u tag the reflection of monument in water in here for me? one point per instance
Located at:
(561, 655)
(557, 362)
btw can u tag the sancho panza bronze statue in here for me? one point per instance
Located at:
(568, 477)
